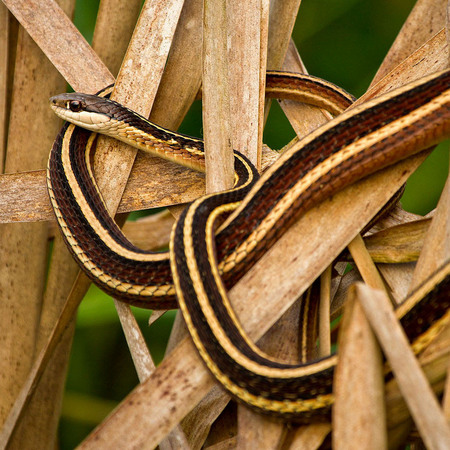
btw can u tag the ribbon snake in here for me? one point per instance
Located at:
(206, 259)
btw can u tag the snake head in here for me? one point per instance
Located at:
(88, 111)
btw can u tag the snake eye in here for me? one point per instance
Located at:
(75, 105)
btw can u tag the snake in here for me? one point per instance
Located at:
(220, 236)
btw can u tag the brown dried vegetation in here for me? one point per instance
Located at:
(177, 403)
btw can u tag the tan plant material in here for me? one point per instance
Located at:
(398, 244)
(208, 420)
(413, 33)
(303, 118)
(113, 30)
(182, 75)
(23, 248)
(140, 192)
(40, 364)
(324, 313)
(151, 232)
(4, 54)
(248, 41)
(226, 444)
(57, 37)
(169, 34)
(436, 248)
(412, 382)
(310, 437)
(446, 397)
(428, 58)
(178, 185)
(434, 363)
(359, 418)
(359, 412)
(145, 366)
(282, 342)
(398, 278)
(219, 158)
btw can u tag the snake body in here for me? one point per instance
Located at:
(114, 264)
(205, 262)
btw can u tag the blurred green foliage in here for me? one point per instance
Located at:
(343, 41)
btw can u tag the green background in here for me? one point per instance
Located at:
(343, 41)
